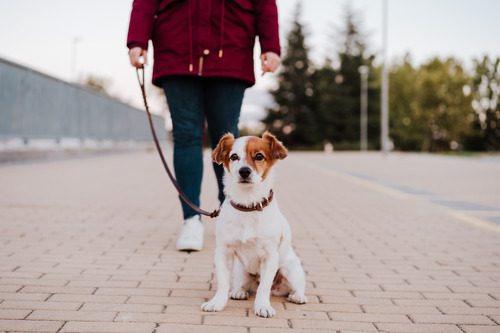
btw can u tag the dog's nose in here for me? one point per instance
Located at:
(245, 172)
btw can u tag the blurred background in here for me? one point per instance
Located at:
(401, 241)
(362, 74)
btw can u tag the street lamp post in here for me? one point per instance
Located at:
(384, 119)
(364, 71)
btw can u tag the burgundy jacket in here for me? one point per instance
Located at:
(204, 37)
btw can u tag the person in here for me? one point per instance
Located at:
(203, 60)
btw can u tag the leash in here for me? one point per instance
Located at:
(140, 78)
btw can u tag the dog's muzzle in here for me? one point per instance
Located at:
(245, 173)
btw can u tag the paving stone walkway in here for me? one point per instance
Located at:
(88, 245)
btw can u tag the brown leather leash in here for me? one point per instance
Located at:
(140, 78)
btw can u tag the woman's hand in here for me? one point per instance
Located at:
(270, 62)
(135, 55)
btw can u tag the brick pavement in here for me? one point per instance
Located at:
(87, 245)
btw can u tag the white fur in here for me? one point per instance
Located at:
(253, 244)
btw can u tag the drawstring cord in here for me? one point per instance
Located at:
(222, 15)
(190, 32)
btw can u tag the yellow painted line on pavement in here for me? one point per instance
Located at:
(357, 180)
(371, 185)
(463, 217)
(475, 221)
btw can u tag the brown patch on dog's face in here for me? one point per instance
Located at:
(263, 153)
(220, 154)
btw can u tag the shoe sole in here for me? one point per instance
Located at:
(189, 250)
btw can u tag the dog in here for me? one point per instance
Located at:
(253, 239)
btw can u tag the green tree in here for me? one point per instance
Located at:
(338, 90)
(327, 96)
(485, 120)
(406, 126)
(443, 104)
(293, 119)
(429, 105)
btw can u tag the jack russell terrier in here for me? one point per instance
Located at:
(253, 239)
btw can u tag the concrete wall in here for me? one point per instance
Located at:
(35, 106)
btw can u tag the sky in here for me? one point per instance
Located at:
(40, 34)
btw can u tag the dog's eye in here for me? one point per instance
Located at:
(258, 157)
(234, 157)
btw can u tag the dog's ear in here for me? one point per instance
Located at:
(278, 151)
(221, 152)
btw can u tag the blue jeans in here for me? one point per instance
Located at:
(191, 101)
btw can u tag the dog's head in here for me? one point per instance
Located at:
(248, 160)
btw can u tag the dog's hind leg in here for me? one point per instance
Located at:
(280, 285)
(296, 278)
(241, 282)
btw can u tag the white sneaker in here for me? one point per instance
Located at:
(191, 238)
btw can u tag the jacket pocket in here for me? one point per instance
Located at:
(246, 5)
(166, 5)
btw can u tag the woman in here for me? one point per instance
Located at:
(203, 59)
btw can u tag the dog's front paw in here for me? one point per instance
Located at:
(239, 294)
(297, 298)
(213, 305)
(265, 311)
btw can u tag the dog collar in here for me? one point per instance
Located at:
(255, 206)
